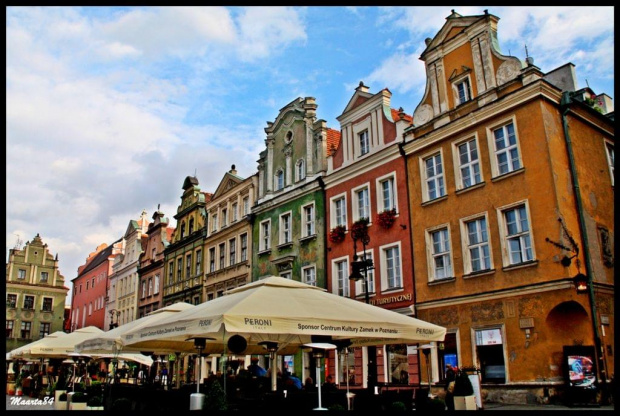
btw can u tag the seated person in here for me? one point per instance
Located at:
(255, 369)
(290, 380)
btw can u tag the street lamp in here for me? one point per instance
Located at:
(360, 232)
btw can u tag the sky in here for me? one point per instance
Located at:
(109, 109)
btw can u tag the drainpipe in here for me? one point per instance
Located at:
(564, 110)
(402, 153)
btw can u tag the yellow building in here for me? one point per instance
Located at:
(511, 197)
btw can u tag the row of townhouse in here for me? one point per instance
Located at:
(480, 211)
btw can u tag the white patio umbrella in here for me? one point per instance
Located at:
(20, 352)
(59, 347)
(282, 311)
(110, 342)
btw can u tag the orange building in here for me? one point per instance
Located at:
(511, 197)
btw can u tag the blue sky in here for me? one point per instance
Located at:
(110, 108)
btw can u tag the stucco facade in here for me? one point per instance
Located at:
(183, 280)
(35, 294)
(151, 264)
(494, 211)
(366, 178)
(228, 246)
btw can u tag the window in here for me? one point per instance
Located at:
(44, 329)
(364, 142)
(433, 174)
(285, 228)
(9, 328)
(287, 275)
(234, 213)
(392, 267)
(222, 255)
(300, 170)
(361, 203)
(90, 309)
(468, 165)
(246, 205)
(339, 211)
(244, 247)
(198, 262)
(28, 302)
(440, 263)
(156, 289)
(341, 271)
(87, 284)
(265, 230)
(506, 149)
(477, 252)
(212, 260)
(516, 239)
(11, 300)
(183, 229)
(214, 223)
(21, 274)
(360, 287)
(150, 287)
(25, 330)
(387, 194)
(47, 305)
(610, 160)
(171, 272)
(44, 276)
(191, 226)
(179, 269)
(92, 283)
(307, 220)
(463, 91)
(224, 217)
(279, 180)
(232, 250)
(309, 275)
(188, 266)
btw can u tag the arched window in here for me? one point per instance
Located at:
(279, 180)
(300, 170)
(191, 225)
(182, 229)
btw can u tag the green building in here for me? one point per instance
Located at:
(35, 294)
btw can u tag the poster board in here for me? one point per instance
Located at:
(580, 366)
(475, 382)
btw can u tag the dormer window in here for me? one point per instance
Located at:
(364, 142)
(182, 229)
(462, 89)
(279, 180)
(191, 225)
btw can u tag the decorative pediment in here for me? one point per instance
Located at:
(284, 263)
(228, 182)
(455, 24)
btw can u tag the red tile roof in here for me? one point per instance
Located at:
(333, 141)
(396, 116)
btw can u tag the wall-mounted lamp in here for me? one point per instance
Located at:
(581, 283)
(527, 333)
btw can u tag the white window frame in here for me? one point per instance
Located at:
(234, 208)
(385, 286)
(224, 217)
(246, 205)
(355, 193)
(285, 234)
(380, 197)
(609, 152)
(212, 259)
(431, 254)
(156, 284)
(287, 274)
(459, 166)
(305, 222)
(265, 240)
(21, 274)
(438, 178)
(300, 170)
(198, 262)
(312, 280)
(495, 153)
(222, 255)
(357, 130)
(503, 232)
(335, 219)
(232, 251)
(278, 180)
(214, 223)
(363, 140)
(338, 279)
(243, 253)
(467, 247)
(46, 278)
(468, 92)
(359, 284)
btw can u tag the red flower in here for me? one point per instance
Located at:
(387, 218)
(336, 234)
